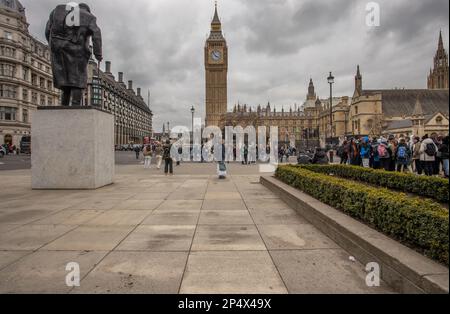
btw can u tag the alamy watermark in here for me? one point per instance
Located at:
(373, 14)
(239, 144)
(73, 277)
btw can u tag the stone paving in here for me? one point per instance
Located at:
(149, 233)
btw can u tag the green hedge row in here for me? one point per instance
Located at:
(433, 187)
(420, 223)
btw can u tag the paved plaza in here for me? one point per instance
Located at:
(147, 233)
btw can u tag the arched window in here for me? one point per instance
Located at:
(439, 120)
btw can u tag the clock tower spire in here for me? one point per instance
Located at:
(216, 72)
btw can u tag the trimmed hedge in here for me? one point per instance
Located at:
(420, 223)
(436, 188)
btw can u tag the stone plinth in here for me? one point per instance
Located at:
(72, 148)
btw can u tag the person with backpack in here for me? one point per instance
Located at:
(417, 164)
(403, 156)
(384, 153)
(428, 152)
(374, 158)
(364, 152)
(168, 167)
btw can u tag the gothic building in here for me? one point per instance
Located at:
(370, 112)
(438, 77)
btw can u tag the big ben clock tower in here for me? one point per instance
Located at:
(216, 68)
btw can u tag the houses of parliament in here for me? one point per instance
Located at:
(370, 112)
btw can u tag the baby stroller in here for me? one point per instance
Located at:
(221, 170)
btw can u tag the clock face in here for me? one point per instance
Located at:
(216, 55)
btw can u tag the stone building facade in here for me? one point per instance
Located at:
(438, 77)
(26, 80)
(133, 117)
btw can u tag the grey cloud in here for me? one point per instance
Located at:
(275, 46)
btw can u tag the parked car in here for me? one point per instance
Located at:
(2, 151)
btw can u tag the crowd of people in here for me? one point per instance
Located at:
(427, 155)
(159, 152)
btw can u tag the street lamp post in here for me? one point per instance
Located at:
(193, 112)
(331, 82)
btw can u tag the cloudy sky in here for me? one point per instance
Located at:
(275, 46)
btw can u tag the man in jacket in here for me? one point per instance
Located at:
(68, 33)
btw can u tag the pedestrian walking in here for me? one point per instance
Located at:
(137, 150)
(159, 155)
(444, 153)
(403, 156)
(168, 166)
(147, 157)
(416, 162)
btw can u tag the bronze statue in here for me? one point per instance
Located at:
(68, 32)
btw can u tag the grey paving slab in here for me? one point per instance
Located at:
(22, 217)
(266, 204)
(322, 271)
(69, 217)
(136, 272)
(231, 272)
(90, 238)
(187, 194)
(292, 237)
(45, 272)
(234, 204)
(9, 257)
(139, 204)
(276, 217)
(223, 238)
(181, 205)
(159, 238)
(172, 217)
(135, 237)
(31, 237)
(7, 227)
(119, 218)
(225, 217)
(222, 196)
(148, 196)
(97, 204)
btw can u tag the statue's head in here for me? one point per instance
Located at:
(84, 6)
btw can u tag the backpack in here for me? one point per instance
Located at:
(382, 151)
(402, 152)
(166, 154)
(364, 151)
(430, 150)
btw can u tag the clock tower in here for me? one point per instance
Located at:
(216, 69)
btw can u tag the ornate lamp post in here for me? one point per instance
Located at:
(192, 112)
(331, 82)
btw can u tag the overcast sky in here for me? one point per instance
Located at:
(275, 46)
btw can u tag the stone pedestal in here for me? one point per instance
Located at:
(72, 148)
